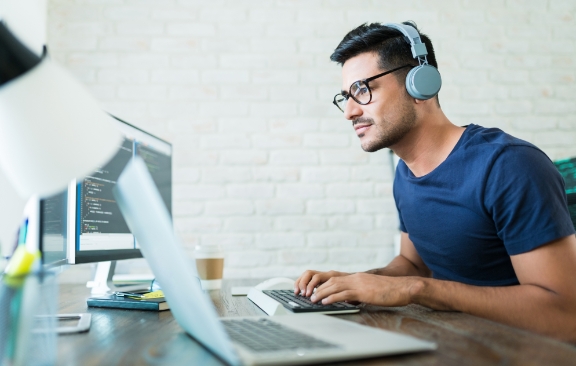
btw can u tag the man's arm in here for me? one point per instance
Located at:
(408, 263)
(544, 302)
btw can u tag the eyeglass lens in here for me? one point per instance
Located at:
(340, 101)
(359, 91)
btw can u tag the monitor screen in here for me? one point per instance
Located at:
(94, 219)
(53, 230)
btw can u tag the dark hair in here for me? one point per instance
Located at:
(388, 43)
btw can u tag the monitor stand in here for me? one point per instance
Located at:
(83, 320)
(103, 283)
(83, 324)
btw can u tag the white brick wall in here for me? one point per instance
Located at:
(264, 164)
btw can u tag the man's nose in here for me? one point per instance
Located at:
(352, 110)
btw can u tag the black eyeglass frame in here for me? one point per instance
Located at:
(365, 81)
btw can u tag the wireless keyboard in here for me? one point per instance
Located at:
(302, 304)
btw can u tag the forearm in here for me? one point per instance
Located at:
(400, 266)
(526, 306)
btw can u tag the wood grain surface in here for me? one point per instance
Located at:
(136, 337)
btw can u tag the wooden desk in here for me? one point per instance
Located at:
(128, 337)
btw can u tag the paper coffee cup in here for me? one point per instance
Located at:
(210, 266)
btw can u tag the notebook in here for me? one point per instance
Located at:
(325, 338)
(120, 302)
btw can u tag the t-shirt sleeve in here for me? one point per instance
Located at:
(525, 196)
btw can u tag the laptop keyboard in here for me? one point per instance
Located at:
(302, 304)
(263, 335)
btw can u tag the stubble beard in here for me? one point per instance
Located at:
(388, 132)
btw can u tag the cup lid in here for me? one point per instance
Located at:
(208, 248)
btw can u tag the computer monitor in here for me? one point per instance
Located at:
(54, 230)
(51, 215)
(86, 224)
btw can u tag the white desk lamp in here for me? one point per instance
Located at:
(51, 130)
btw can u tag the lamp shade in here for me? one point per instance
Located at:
(51, 129)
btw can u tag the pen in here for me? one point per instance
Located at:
(129, 294)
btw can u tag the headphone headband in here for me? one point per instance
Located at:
(412, 37)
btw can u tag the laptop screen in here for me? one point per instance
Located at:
(149, 221)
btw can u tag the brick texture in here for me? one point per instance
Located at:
(264, 164)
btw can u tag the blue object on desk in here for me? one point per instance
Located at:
(23, 233)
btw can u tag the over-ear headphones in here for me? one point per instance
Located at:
(423, 81)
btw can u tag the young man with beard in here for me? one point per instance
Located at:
(484, 219)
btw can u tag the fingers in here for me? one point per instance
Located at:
(306, 283)
(346, 295)
(334, 292)
(332, 286)
(316, 280)
(309, 280)
(343, 288)
(302, 282)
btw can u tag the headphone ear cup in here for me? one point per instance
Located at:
(423, 82)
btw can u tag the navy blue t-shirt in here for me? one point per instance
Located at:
(494, 196)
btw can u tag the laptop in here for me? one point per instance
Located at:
(305, 339)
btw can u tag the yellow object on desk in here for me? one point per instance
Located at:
(21, 261)
(149, 295)
(153, 295)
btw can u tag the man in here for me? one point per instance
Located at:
(484, 220)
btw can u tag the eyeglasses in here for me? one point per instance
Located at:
(360, 91)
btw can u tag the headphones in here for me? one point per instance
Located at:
(423, 81)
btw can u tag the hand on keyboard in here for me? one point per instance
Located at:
(309, 280)
(297, 303)
(368, 288)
